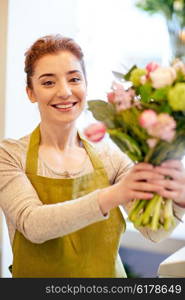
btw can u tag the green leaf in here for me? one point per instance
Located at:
(126, 144)
(152, 105)
(127, 75)
(145, 91)
(173, 150)
(103, 111)
(166, 108)
(130, 117)
(160, 94)
(118, 75)
(179, 117)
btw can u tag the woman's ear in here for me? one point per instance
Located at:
(30, 94)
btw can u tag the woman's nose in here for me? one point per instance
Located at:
(64, 90)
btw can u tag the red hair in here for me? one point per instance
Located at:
(50, 44)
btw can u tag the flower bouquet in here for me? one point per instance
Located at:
(147, 122)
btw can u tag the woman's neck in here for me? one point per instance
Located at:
(60, 138)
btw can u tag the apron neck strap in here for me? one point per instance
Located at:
(95, 160)
(33, 150)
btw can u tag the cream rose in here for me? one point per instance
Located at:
(162, 77)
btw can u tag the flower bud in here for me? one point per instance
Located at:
(147, 118)
(152, 66)
(95, 132)
(111, 97)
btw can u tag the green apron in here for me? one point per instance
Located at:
(88, 252)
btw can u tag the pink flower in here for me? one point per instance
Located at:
(117, 86)
(160, 126)
(120, 97)
(147, 118)
(152, 66)
(111, 97)
(164, 128)
(95, 132)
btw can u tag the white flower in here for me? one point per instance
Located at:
(162, 77)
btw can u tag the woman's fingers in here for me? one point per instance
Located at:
(174, 164)
(147, 175)
(146, 187)
(169, 194)
(173, 173)
(168, 184)
(141, 195)
(145, 179)
(171, 189)
(143, 166)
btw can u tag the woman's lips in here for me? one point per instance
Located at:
(64, 107)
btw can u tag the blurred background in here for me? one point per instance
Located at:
(114, 35)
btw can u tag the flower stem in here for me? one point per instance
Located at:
(149, 210)
(150, 153)
(156, 215)
(168, 214)
(135, 212)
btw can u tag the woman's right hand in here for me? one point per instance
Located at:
(135, 185)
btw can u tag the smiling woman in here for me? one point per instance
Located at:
(60, 194)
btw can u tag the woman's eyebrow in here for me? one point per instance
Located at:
(46, 74)
(73, 71)
(51, 74)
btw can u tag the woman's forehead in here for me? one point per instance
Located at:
(63, 60)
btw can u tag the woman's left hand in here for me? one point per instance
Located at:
(173, 188)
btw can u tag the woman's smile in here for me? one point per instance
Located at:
(65, 106)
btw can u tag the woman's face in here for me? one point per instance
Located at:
(59, 87)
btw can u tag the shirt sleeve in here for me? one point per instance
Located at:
(36, 221)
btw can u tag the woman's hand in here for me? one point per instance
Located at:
(137, 184)
(173, 188)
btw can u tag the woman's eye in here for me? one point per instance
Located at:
(48, 83)
(75, 79)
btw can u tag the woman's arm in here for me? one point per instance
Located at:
(38, 222)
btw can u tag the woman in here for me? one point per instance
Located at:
(61, 195)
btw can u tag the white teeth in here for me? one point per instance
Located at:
(64, 106)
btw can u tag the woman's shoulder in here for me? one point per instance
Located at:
(15, 144)
(14, 149)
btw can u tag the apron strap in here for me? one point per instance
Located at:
(95, 160)
(32, 154)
